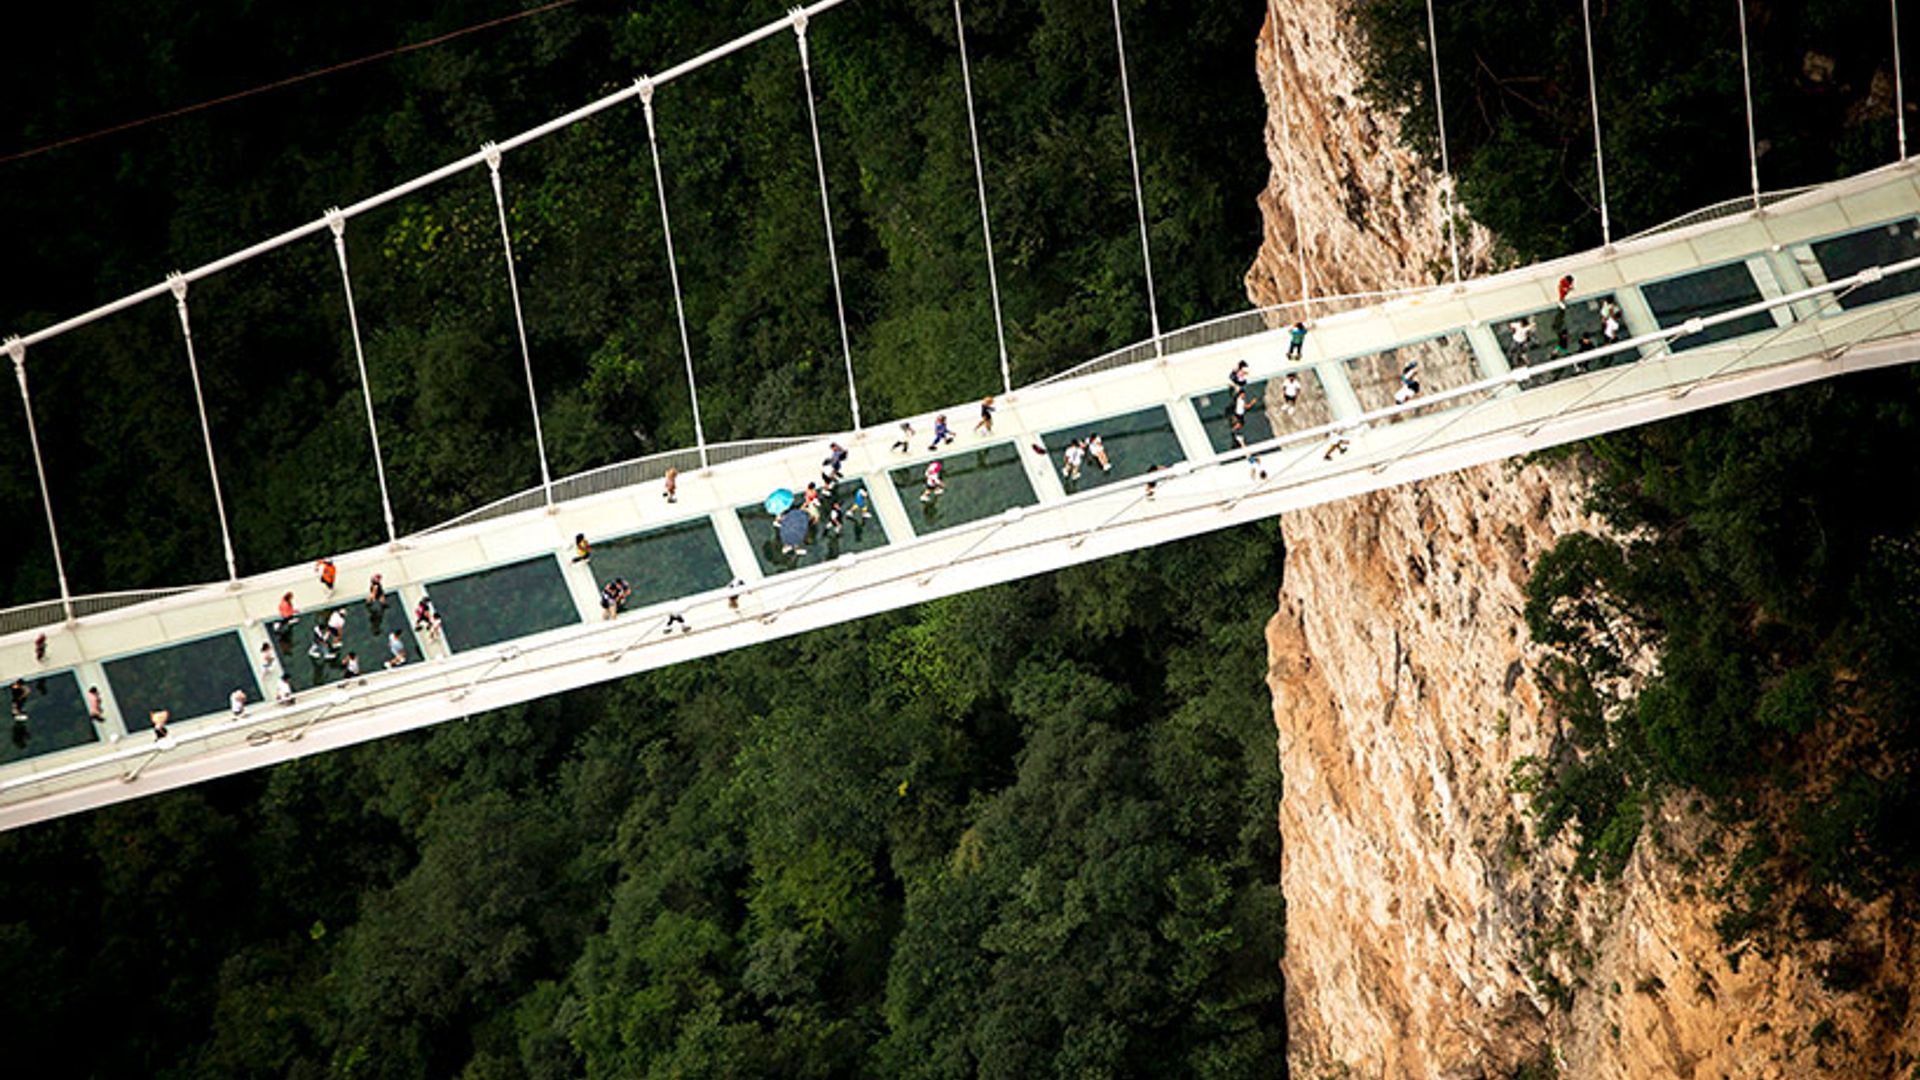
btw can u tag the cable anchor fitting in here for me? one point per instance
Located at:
(490, 150)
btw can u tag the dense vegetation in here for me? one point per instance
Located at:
(1767, 555)
(115, 402)
(1021, 832)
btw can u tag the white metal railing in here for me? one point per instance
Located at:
(51, 612)
(1232, 327)
(1744, 204)
(620, 475)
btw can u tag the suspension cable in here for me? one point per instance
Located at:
(673, 266)
(1440, 115)
(337, 222)
(179, 285)
(426, 179)
(1287, 154)
(1899, 88)
(1599, 155)
(980, 183)
(492, 153)
(799, 17)
(17, 349)
(1139, 199)
(1746, 87)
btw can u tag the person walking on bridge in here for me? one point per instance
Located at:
(1296, 340)
(942, 434)
(327, 574)
(833, 466)
(1289, 393)
(985, 426)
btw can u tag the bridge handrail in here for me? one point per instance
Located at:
(1230, 327)
(605, 478)
(49, 612)
(1726, 208)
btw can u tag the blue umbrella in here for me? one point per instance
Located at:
(778, 502)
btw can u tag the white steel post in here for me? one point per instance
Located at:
(980, 183)
(337, 222)
(18, 350)
(179, 286)
(673, 269)
(1746, 86)
(799, 17)
(1599, 155)
(1139, 199)
(492, 153)
(1440, 117)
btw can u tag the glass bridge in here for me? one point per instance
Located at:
(1816, 285)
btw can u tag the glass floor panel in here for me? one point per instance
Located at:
(1706, 292)
(1444, 362)
(1559, 332)
(822, 545)
(1845, 256)
(191, 679)
(980, 484)
(1134, 443)
(56, 717)
(660, 564)
(1268, 416)
(362, 636)
(501, 603)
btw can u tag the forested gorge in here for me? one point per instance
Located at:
(1024, 831)
(1021, 832)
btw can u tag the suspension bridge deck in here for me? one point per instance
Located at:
(1819, 284)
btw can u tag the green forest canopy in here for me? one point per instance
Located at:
(1024, 831)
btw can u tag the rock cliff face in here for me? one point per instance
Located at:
(1427, 935)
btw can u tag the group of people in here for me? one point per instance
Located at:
(817, 503)
(329, 634)
(1079, 450)
(614, 596)
(1521, 333)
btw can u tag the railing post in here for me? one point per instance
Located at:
(1599, 155)
(645, 89)
(337, 223)
(178, 284)
(980, 184)
(799, 17)
(492, 153)
(1899, 87)
(1746, 87)
(18, 350)
(1139, 197)
(1440, 117)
